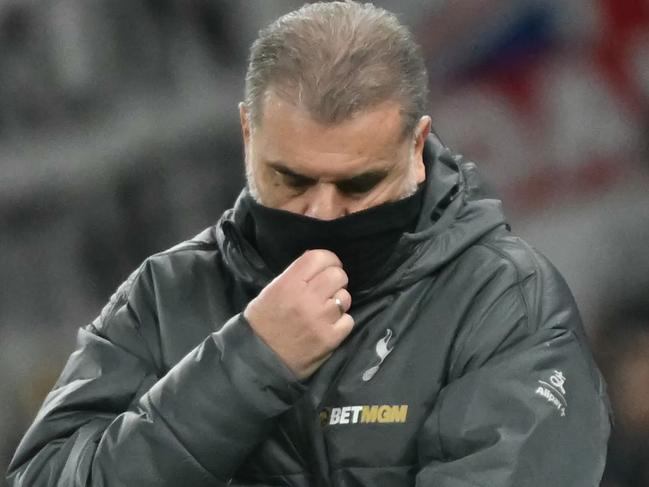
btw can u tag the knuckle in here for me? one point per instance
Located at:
(343, 275)
(316, 253)
(335, 273)
(311, 254)
(308, 257)
(324, 255)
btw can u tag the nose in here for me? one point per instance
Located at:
(325, 202)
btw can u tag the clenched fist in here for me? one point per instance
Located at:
(297, 314)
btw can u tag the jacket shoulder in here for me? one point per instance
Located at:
(542, 287)
(201, 246)
(186, 260)
(184, 277)
(204, 242)
(515, 294)
(138, 290)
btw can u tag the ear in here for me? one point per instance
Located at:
(246, 132)
(421, 133)
(246, 129)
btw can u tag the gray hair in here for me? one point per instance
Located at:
(335, 59)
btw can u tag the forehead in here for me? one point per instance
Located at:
(369, 139)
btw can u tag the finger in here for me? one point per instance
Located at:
(345, 299)
(342, 328)
(312, 262)
(328, 281)
(334, 312)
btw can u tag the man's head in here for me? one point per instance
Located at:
(333, 118)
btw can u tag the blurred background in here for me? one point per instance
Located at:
(119, 137)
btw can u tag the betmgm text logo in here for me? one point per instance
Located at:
(384, 413)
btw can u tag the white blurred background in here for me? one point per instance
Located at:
(119, 137)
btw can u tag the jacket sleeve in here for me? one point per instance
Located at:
(525, 404)
(113, 419)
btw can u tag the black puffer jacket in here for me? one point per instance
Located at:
(467, 367)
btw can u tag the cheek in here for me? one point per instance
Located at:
(275, 194)
(389, 190)
(420, 173)
(296, 204)
(395, 185)
(268, 184)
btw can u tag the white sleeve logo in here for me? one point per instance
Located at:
(554, 391)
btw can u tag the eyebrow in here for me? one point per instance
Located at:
(282, 169)
(368, 176)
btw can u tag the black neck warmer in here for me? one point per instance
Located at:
(363, 240)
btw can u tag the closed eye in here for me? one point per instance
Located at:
(291, 179)
(359, 184)
(362, 183)
(297, 182)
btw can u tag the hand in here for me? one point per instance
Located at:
(296, 314)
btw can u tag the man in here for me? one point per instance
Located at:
(362, 316)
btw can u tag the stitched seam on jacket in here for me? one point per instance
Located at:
(188, 247)
(476, 325)
(596, 379)
(99, 333)
(465, 482)
(538, 270)
(382, 467)
(124, 300)
(517, 284)
(530, 314)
